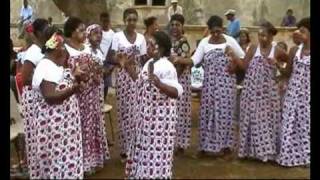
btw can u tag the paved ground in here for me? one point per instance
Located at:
(187, 166)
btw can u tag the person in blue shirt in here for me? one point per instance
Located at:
(233, 28)
(25, 17)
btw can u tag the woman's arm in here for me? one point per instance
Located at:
(27, 72)
(166, 89)
(52, 96)
(288, 69)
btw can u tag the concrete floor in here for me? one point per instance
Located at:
(188, 166)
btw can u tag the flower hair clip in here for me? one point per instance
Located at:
(54, 41)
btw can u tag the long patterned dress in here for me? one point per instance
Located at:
(295, 124)
(126, 87)
(151, 150)
(217, 102)
(59, 153)
(95, 149)
(260, 111)
(183, 127)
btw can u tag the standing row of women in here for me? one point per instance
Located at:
(64, 125)
(62, 106)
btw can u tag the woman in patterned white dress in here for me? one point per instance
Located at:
(151, 149)
(133, 45)
(260, 110)
(32, 57)
(95, 150)
(295, 123)
(181, 49)
(58, 146)
(218, 54)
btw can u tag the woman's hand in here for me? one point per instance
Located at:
(79, 73)
(271, 61)
(122, 58)
(154, 79)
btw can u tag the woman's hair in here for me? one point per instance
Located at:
(48, 34)
(305, 22)
(215, 21)
(163, 40)
(269, 27)
(71, 25)
(129, 11)
(177, 17)
(282, 43)
(39, 25)
(246, 32)
(104, 15)
(149, 21)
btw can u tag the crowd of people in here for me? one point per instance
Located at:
(64, 79)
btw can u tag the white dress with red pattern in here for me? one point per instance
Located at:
(33, 54)
(151, 149)
(58, 149)
(95, 149)
(125, 87)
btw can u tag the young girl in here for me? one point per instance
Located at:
(217, 53)
(151, 152)
(181, 49)
(57, 120)
(295, 123)
(132, 44)
(31, 59)
(260, 111)
(95, 150)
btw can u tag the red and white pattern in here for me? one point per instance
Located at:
(95, 149)
(152, 145)
(295, 123)
(27, 109)
(59, 153)
(260, 112)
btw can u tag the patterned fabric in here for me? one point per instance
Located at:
(151, 150)
(183, 126)
(217, 102)
(295, 124)
(27, 109)
(95, 149)
(260, 111)
(125, 89)
(58, 137)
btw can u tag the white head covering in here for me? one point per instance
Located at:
(230, 11)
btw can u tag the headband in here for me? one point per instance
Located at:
(92, 27)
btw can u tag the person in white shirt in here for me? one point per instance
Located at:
(174, 9)
(107, 35)
(25, 17)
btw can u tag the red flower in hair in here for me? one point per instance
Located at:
(29, 28)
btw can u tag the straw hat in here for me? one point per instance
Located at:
(230, 11)
(174, 1)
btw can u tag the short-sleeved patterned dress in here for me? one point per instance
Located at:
(151, 149)
(33, 55)
(125, 86)
(183, 127)
(295, 123)
(218, 99)
(95, 149)
(59, 153)
(260, 112)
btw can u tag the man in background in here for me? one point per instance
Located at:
(233, 28)
(25, 17)
(289, 20)
(174, 9)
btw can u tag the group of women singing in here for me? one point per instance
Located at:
(63, 96)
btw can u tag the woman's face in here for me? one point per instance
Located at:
(80, 33)
(131, 21)
(154, 26)
(304, 34)
(264, 37)
(243, 38)
(216, 32)
(176, 28)
(62, 54)
(95, 37)
(296, 37)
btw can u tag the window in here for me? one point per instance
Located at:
(150, 2)
(140, 2)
